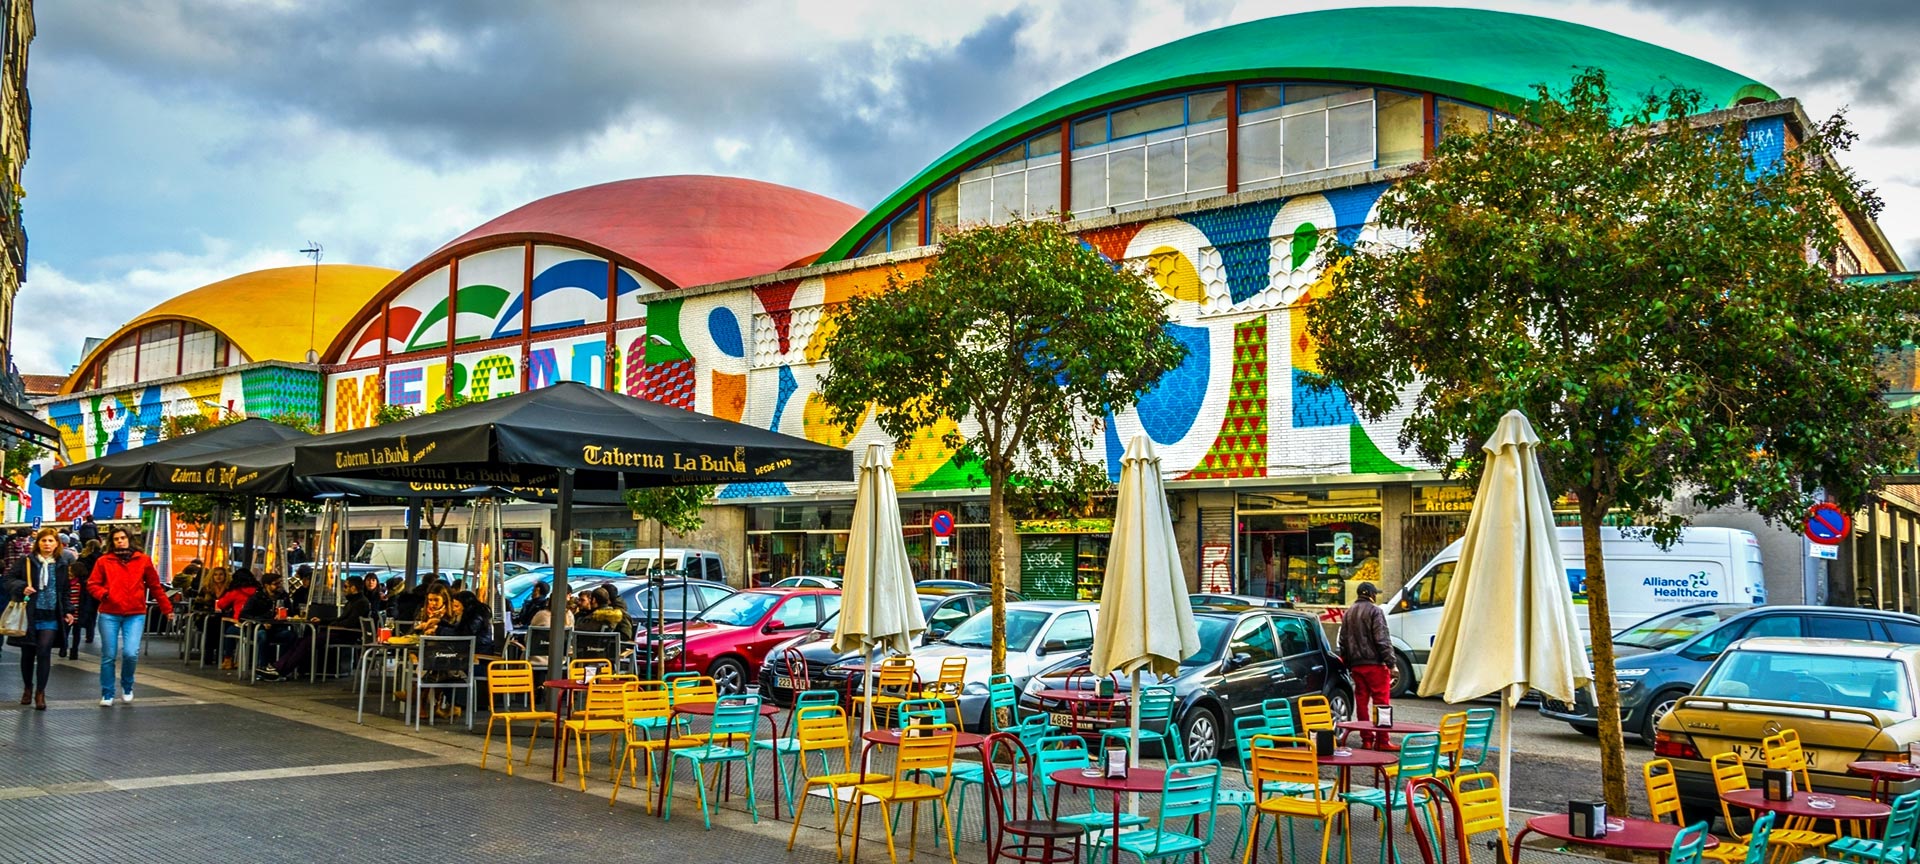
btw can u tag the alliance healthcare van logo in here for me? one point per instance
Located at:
(1693, 586)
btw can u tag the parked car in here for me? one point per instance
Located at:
(730, 639)
(695, 563)
(579, 579)
(515, 568)
(1246, 656)
(944, 609)
(1254, 600)
(1660, 659)
(807, 582)
(1849, 701)
(1039, 633)
(681, 598)
(1706, 565)
(958, 584)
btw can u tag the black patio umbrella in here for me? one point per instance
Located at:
(131, 470)
(570, 436)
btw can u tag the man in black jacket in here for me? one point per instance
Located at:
(337, 625)
(1368, 650)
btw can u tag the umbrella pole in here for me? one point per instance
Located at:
(557, 599)
(1133, 741)
(866, 692)
(1506, 753)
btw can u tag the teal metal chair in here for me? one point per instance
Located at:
(1070, 751)
(1478, 741)
(1190, 792)
(1003, 701)
(788, 746)
(1156, 724)
(923, 710)
(1756, 845)
(1419, 757)
(1688, 844)
(734, 719)
(1030, 732)
(1896, 843)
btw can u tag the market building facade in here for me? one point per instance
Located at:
(1215, 164)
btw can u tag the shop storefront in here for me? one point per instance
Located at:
(1063, 559)
(1310, 546)
(811, 540)
(599, 534)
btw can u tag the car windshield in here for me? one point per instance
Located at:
(927, 604)
(1213, 637)
(977, 632)
(1873, 683)
(740, 609)
(1673, 628)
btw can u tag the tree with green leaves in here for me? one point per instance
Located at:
(673, 508)
(1018, 329)
(1656, 296)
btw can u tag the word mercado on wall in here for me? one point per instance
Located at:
(1238, 279)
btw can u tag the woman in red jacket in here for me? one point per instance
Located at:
(229, 606)
(123, 580)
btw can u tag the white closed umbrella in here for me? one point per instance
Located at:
(1508, 622)
(1146, 621)
(878, 609)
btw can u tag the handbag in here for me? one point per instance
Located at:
(13, 622)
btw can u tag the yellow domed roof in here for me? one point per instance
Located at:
(273, 314)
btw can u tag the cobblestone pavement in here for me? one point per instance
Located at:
(200, 767)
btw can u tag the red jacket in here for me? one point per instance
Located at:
(122, 587)
(233, 601)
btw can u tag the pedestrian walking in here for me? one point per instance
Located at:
(123, 580)
(1368, 650)
(89, 610)
(87, 530)
(42, 582)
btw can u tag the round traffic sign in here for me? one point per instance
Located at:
(1828, 524)
(942, 524)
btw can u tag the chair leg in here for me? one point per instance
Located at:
(952, 851)
(797, 811)
(1253, 838)
(487, 742)
(892, 856)
(531, 736)
(581, 743)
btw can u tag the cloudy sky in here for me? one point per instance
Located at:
(176, 142)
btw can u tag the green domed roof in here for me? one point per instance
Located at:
(1488, 58)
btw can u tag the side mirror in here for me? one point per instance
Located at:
(936, 636)
(1052, 646)
(1238, 660)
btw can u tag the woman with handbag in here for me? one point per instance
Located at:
(40, 582)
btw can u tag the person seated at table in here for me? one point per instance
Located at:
(436, 612)
(269, 607)
(408, 602)
(332, 625)
(231, 601)
(536, 603)
(302, 585)
(475, 620)
(609, 615)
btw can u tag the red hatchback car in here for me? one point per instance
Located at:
(730, 639)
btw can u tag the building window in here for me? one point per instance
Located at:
(1314, 131)
(902, 233)
(1022, 181)
(1151, 154)
(197, 348)
(159, 351)
(1455, 117)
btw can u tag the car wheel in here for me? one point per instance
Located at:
(1200, 734)
(1340, 702)
(1658, 707)
(1402, 685)
(729, 675)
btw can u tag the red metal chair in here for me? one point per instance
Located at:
(1035, 836)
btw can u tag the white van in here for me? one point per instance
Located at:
(393, 554)
(1707, 565)
(692, 563)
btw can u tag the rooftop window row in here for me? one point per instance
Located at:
(163, 349)
(1175, 148)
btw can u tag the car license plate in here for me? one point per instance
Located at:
(783, 682)
(1064, 721)
(1753, 754)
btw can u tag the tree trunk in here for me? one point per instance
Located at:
(1606, 694)
(997, 566)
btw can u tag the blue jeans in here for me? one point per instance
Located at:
(119, 637)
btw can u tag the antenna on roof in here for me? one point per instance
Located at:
(314, 250)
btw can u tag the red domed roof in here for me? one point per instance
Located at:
(688, 229)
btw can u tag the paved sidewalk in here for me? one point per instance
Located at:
(201, 767)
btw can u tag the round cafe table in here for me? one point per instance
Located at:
(1811, 806)
(1399, 727)
(1629, 833)
(768, 711)
(1884, 774)
(1138, 779)
(1084, 704)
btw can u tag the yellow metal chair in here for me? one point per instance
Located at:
(1663, 800)
(1453, 740)
(947, 688)
(1277, 759)
(928, 749)
(604, 714)
(1729, 775)
(577, 669)
(1315, 713)
(1783, 752)
(508, 679)
(646, 711)
(1480, 813)
(823, 731)
(893, 683)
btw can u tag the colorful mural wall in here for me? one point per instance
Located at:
(100, 423)
(1238, 279)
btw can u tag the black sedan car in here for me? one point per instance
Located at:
(1247, 656)
(681, 598)
(944, 609)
